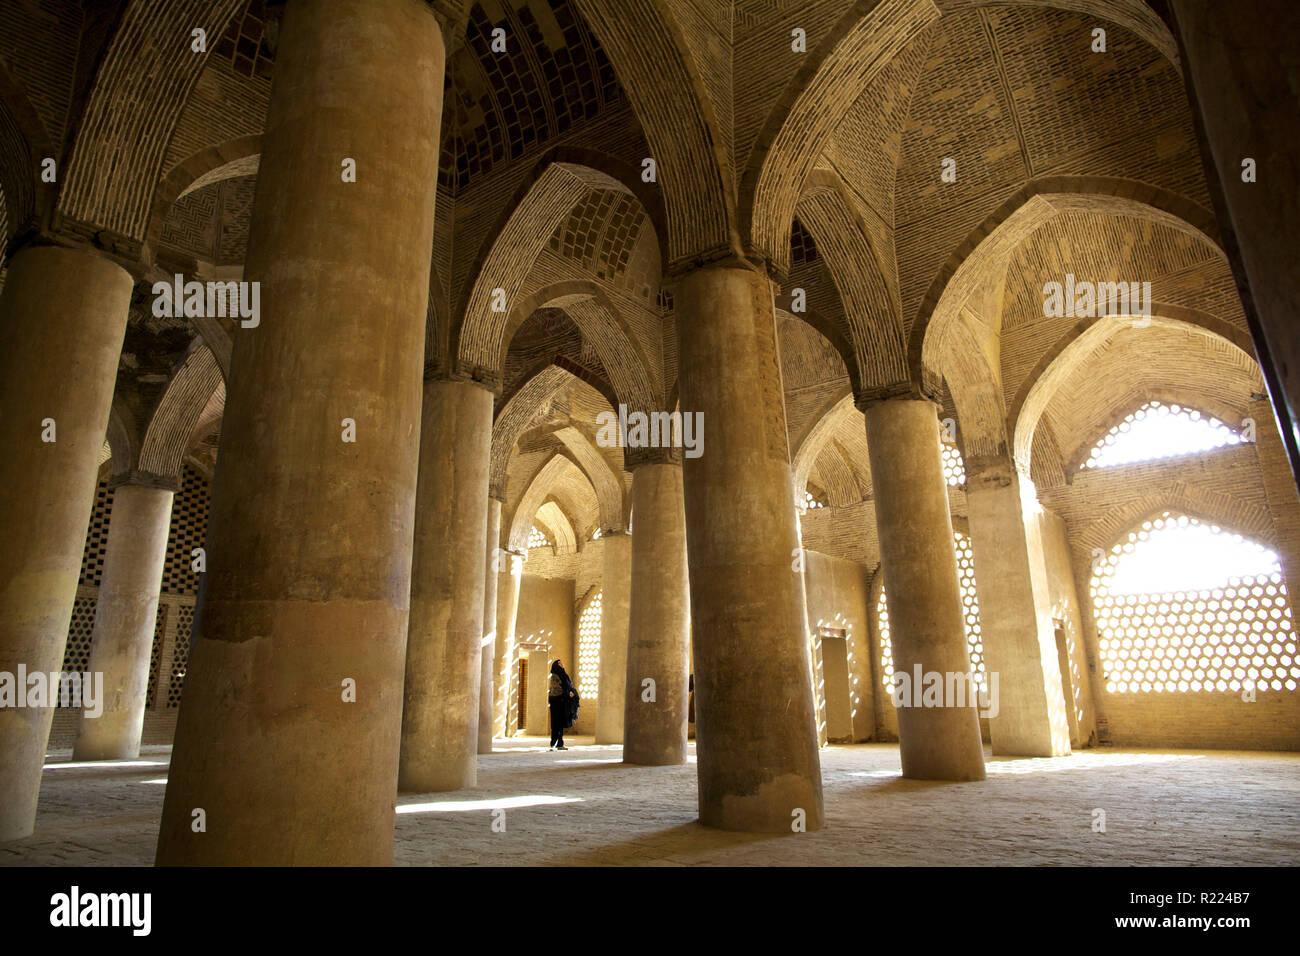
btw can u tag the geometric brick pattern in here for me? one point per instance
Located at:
(77, 655)
(92, 561)
(155, 655)
(242, 44)
(970, 618)
(499, 106)
(600, 232)
(189, 527)
(180, 655)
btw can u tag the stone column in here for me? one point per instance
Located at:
(926, 621)
(289, 729)
(1241, 64)
(488, 646)
(756, 738)
(1015, 616)
(659, 620)
(62, 318)
(125, 614)
(512, 573)
(444, 650)
(615, 607)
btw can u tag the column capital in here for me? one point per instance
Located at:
(487, 380)
(990, 470)
(898, 391)
(720, 257)
(145, 479)
(634, 458)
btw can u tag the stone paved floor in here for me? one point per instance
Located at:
(584, 807)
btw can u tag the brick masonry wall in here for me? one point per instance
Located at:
(1244, 488)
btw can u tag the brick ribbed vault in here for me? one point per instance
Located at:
(600, 323)
(178, 415)
(557, 470)
(482, 336)
(140, 90)
(958, 333)
(854, 264)
(836, 447)
(866, 38)
(647, 49)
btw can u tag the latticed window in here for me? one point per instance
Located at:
(1183, 607)
(589, 648)
(970, 611)
(537, 538)
(954, 469)
(811, 500)
(1157, 430)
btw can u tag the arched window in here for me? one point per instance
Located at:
(954, 469)
(1157, 430)
(970, 609)
(589, 648)
(1183, 607)
(537, 538)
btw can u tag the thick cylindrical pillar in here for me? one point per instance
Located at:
(659, 620)
(1241, 64)
(286, 748)
(62, 318)
(1019, 639)
(938, 739)
(510, 577)
(615, 603)
(443, 650)
(126, 611)
(488, 652)
(756, 739)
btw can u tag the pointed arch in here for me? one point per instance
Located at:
(554, 519)
(1014, 220)
(131, 112)
(190, 391)
(553, 471)
(513, 419)
(1062, 359)
(866, 38)
(602, 324)
(1196, 501)
(828, 419)
(227, 160)
(480, 336)
(647, 49)
(853, 261)
(607, 484)
(23, 144)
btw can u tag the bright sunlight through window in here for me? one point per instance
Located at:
(1183, 606)
(1156, 431)
(954, 469)
(589, 648)
(970, 610)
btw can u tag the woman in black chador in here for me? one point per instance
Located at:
(563, 701)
